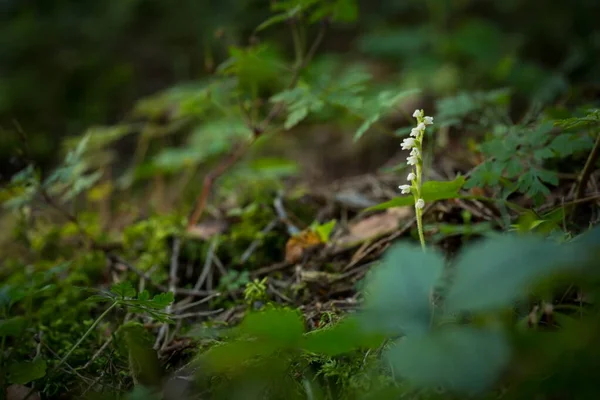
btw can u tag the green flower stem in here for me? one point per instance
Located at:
(420, 226)
(414, 143)
(418, 211)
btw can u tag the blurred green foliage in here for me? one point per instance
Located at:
(148, 92)
(455, 328)
(66, 66)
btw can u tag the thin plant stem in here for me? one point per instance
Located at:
(85, 335)
(418, 211)
(76, 345)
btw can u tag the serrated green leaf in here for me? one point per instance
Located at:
(567, 144)
(543, 153)
(550, 177)
(430, 191)
(487, 174)
(100, 298)
(162, 300)
(492, 274)
(513, 168)
(458, 358)
(24, 372)
(530, 184)
(150, 311)
(123, 289)
(398, 294)
(144, 296)
(591, 119)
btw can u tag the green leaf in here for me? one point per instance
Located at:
(12, 326)
(487, 174)
(567, 144)
(345, 11)
(495, 272)
(295, 117)
(283, 327)
(324, 230)
(435, 190)
(136, 343)
(588, 243)
(458, 358)
(549, 177)
(344, 337)
(273, 167)
(144, 296)
(398, 298)
(141, 392)
(591, 119)
(278, 18)
(530, 183)
(255, 67)
(123, 289)
(235, 354)
(82, 184)
(24, 372)
(430, 191)
(365, 126)
(162, 300)
(543, 153)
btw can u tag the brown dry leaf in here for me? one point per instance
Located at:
(477, 191)
(297, 245)
(18, 392)
(374, 226)
(207, 229)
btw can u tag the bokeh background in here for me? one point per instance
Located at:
(69, 65)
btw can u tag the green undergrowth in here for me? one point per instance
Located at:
(192, 192)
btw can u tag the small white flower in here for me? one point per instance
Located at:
(421, 127)
(412, 160)
(420, 204)
(408, 143)
(415, 152)
(415, 132)
(428, 120)
(417, 113)
(405, 189)
(411, 177)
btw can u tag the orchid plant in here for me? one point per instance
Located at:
(414, 143)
